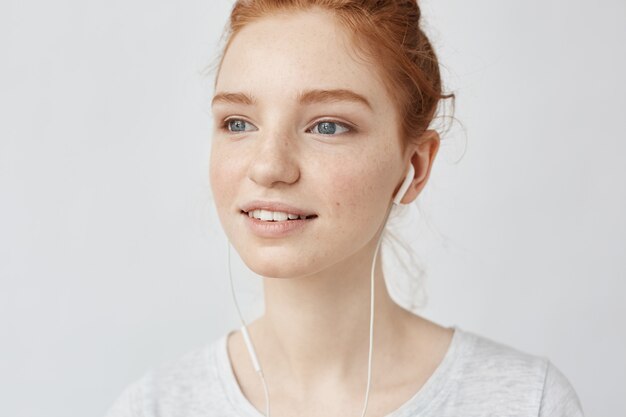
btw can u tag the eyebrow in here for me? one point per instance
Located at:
(304, 97)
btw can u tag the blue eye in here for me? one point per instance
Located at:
(329, 128)
(325, 127)
(238, 125)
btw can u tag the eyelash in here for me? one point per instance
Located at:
(350, 129)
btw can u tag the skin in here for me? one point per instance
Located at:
(312, 340)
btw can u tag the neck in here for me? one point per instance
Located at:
(316, 328)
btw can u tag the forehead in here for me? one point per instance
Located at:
(283, 54)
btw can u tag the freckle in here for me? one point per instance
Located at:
(338, 204)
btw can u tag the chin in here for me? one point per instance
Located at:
(272, 268)
(274, 263)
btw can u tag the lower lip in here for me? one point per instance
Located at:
(269, 229)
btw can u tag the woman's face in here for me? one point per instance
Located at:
(298, 120)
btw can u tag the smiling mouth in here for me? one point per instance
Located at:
(312, 216)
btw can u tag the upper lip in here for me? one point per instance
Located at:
(274, 206)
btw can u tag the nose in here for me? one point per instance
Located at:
(274, 160)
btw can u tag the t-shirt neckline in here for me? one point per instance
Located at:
(430, 393)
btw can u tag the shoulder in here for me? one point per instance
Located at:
(485, 358)
(559, 398)
(186, 385)
(498, 378)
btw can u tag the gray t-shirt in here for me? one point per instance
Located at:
(477, 377)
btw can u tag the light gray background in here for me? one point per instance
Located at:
(112, 259)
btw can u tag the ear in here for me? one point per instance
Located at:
(421, 154)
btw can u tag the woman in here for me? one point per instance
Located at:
(322, 112)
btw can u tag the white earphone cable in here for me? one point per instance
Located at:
(369, 362)
(248, 340)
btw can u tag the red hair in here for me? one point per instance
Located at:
(388, 34)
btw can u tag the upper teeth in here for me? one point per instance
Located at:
(273, 215)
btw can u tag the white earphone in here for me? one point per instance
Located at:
(244, 330)
(405, 185)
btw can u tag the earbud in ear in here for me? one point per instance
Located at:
(405, 185)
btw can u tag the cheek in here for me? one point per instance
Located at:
(358, 199)
(222, 171)
(360, 192)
